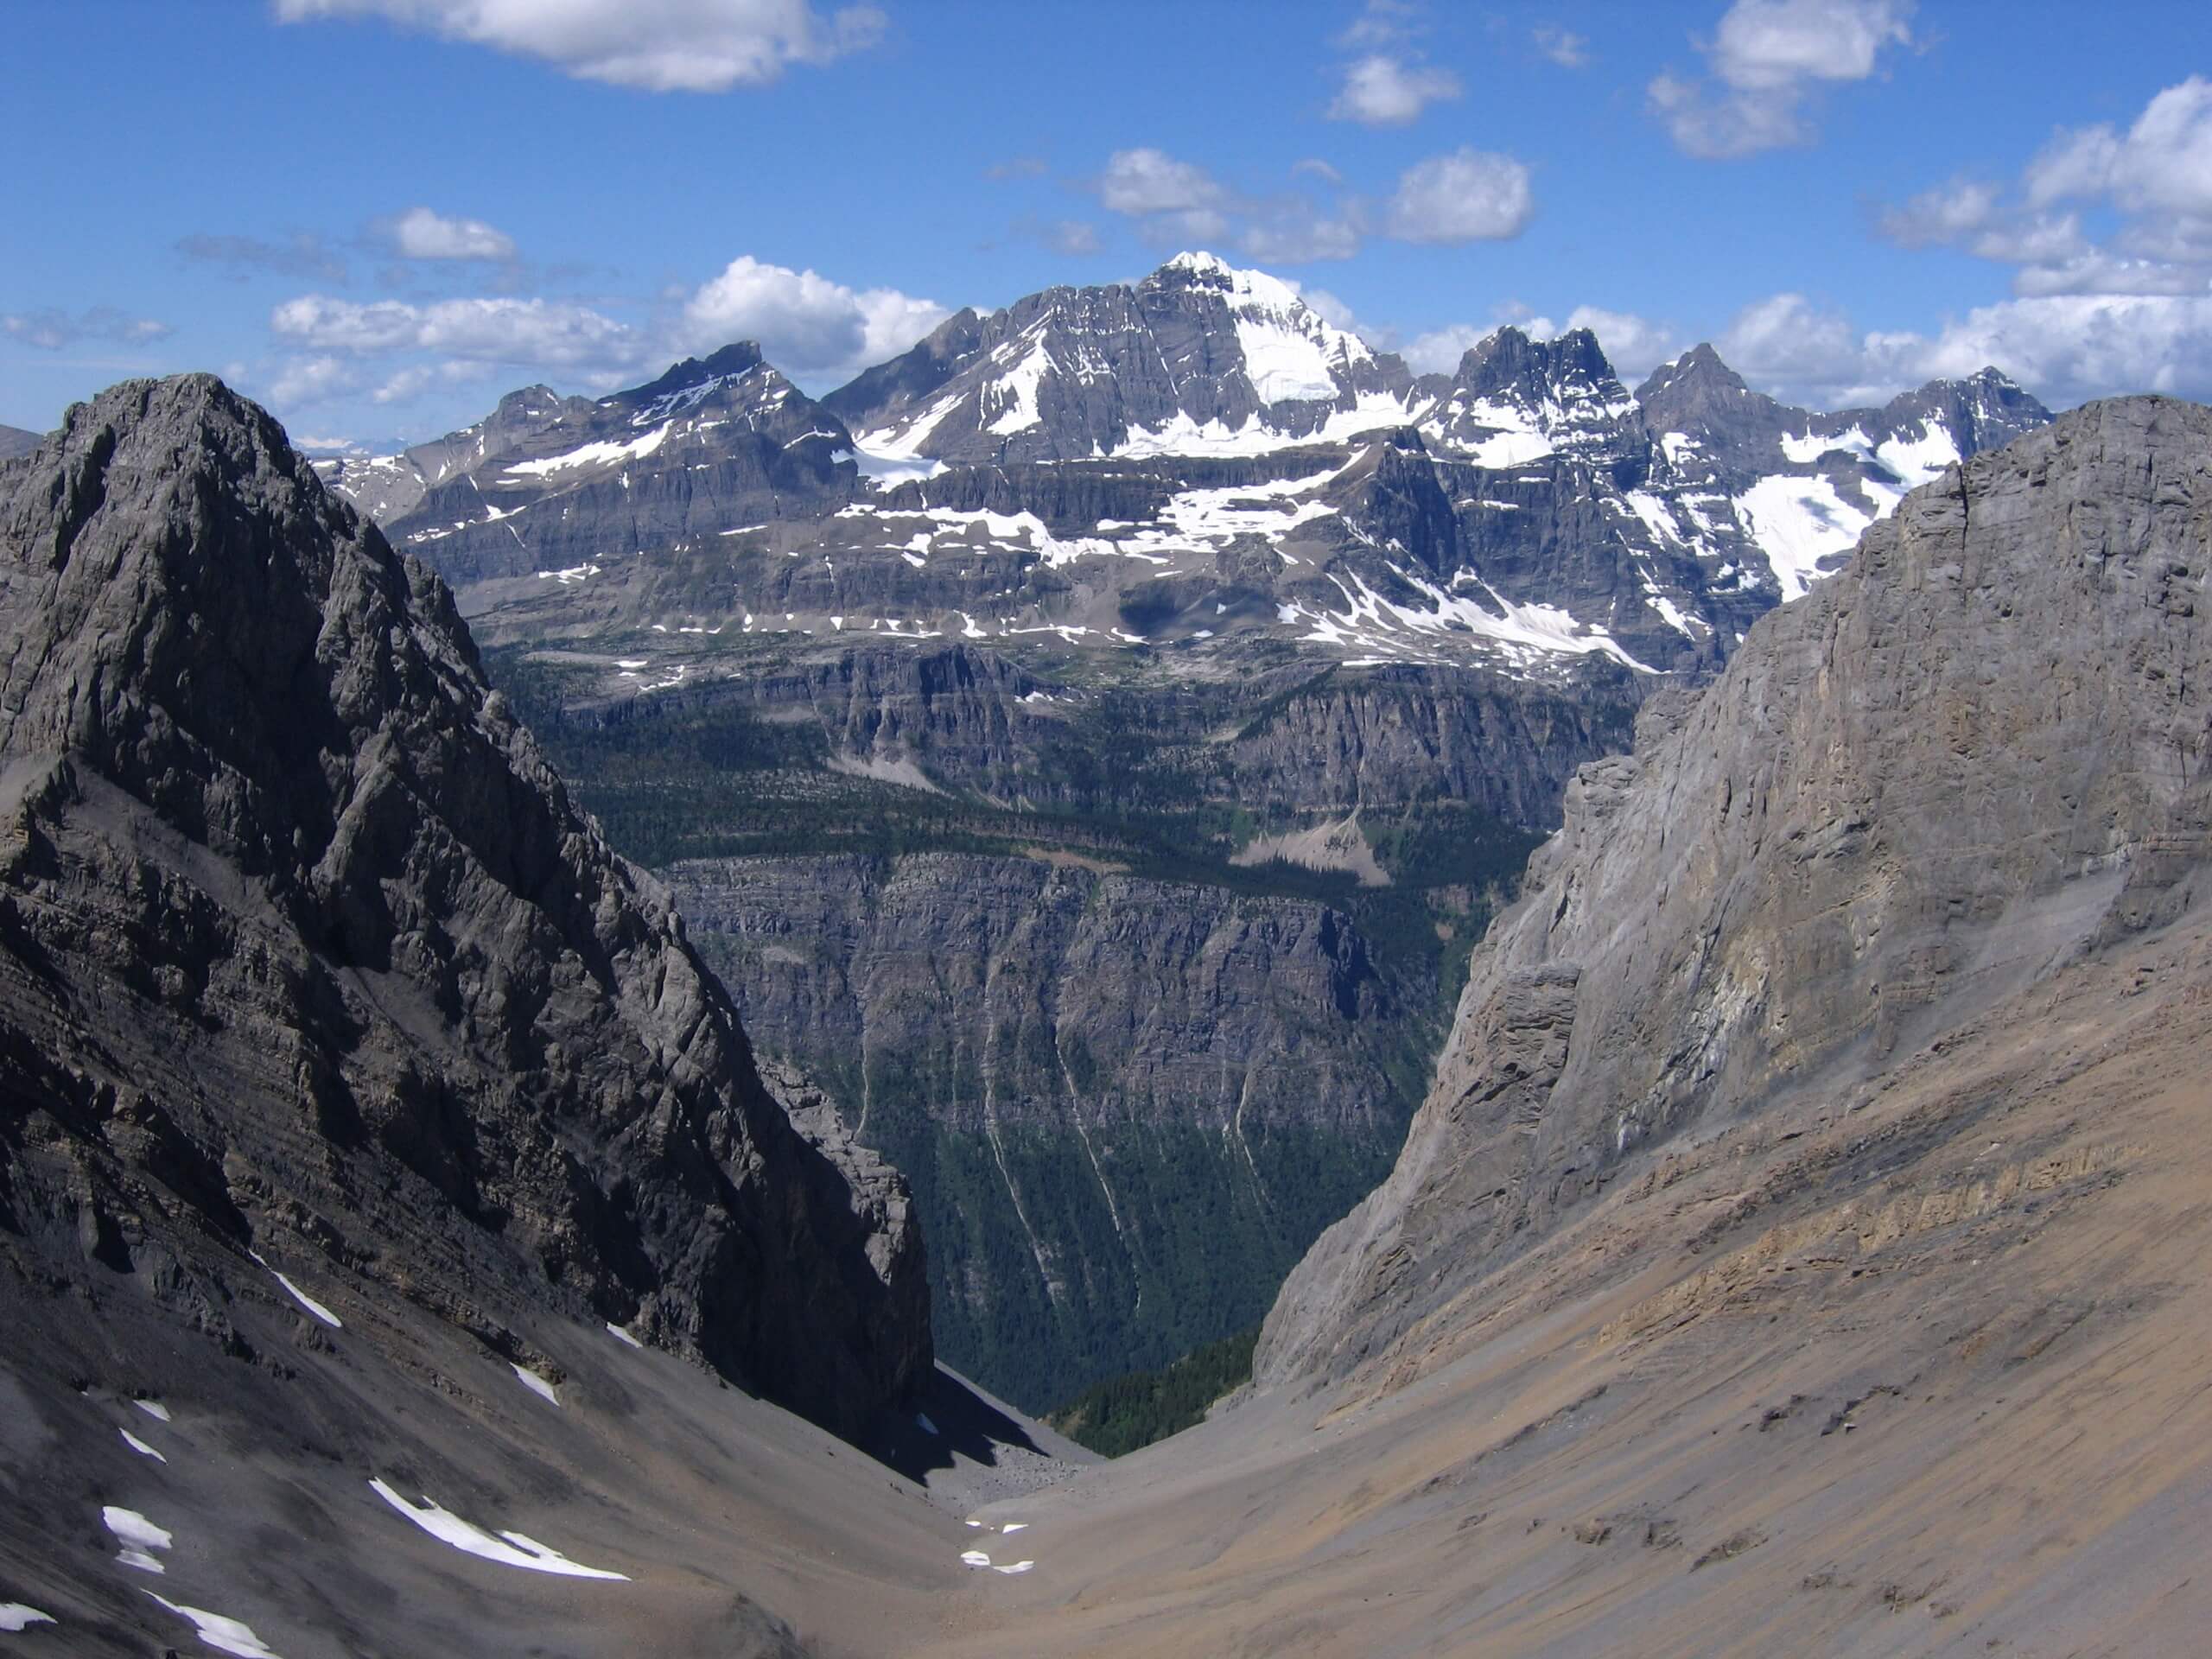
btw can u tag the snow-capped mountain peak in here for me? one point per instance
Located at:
(1198, 357)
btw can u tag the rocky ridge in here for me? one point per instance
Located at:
(308, 954)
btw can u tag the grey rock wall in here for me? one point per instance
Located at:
(1977, 752)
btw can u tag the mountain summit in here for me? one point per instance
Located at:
(1199, 358)
(307, 955)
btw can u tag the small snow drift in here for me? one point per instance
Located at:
(138, 1537)
(15, 1616)
(225, 1635)
(508, 1548)
(622, 1336)
(302, 1297)
(536, 1384)
(140, 1446)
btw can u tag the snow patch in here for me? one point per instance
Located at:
(536, 1384)
(302, 1297)
(138, 1537)
(15, 1616)
(1798, 521)
(1019, 384)
(1284, 363)
(140, 1446)
(224, 1635)
(508, 1548)
(1920, 461)
(153, 1408)
(602, 453)
(618, 1333)
(1813, 445)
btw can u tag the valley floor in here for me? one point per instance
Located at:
(1912, 1365)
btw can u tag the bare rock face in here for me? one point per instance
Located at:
(1126, 1106)
(1975, 755)
(304, 950)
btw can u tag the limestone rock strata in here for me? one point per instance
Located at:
(1973, 756)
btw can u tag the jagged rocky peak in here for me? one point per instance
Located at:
(1292, 354)
(738, 372)
(1200, 358)
(1793, 880)
(1705, 417)
(309, 953)
(1515, 398)
(713, 443)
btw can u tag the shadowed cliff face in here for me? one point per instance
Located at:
(304, 950)
(1126, 1106)
(1976, 754)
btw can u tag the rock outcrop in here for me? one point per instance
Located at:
(306, 952)
(1978, 752)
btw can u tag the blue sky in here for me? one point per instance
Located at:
(376, 215)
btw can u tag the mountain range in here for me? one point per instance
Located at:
(1798, 1247)
(1197, 465)
(1157, 641)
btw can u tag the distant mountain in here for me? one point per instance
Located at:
(1198, 463)
(387, 486)
(547, 483)
(1199, 358)
(1804, 485)
(14, 441)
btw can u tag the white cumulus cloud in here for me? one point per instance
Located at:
(1469, 195)
(1438, 350)
(2089, 317)
(1764, 60)
(806, 324)
(2065, 349)
(661, 46)
(1146, 181)
(1563, 46)
(1384, 91)
(420, 233)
